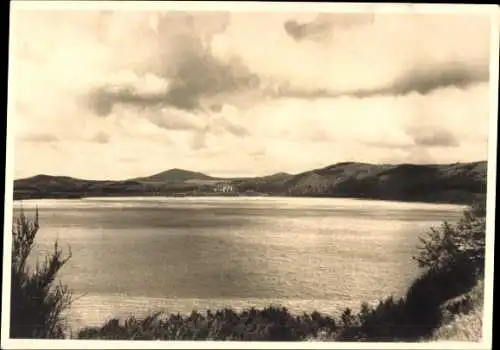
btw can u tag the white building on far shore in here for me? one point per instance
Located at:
(223, 187)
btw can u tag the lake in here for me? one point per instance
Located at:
(137, 255)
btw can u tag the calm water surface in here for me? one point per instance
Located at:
(136, 255)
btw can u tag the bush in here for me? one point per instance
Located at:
(460, 246)
(37, 302)
(271, 323)
(453, 257)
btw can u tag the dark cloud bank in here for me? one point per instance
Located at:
(325, 24)
(192, 74)
(188, 66)
(422, 79)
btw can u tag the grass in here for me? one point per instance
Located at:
(464, 328)
(465, 319)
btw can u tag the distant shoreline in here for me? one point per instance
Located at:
(457, 183)
(408, 200)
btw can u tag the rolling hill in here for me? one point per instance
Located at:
(409, 182)
(452, 183)
(175, 175)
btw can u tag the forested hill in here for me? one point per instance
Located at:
(408, 182)
(452, 183)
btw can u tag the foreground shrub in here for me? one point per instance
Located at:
(271, 323)
(457, 247)
(37, 301)
(453, 258)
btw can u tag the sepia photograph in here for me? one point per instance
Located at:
(250, 174)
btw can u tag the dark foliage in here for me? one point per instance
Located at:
(37, 300)
(453, 256)
(271, 324)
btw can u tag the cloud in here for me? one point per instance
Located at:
(42, 138)
(368, 56)
(220, 123)
(258, 152)
(165, 123)
(175, 119)
(127, 159)
(300, 31)
(127, 87)
(419, 79)
(216, 107)
(198, 140)
(434, 137)
(323, 26)
(424, 79)
(100, 137)
(227, 120)
(377, 129)
(238, 93)
(183, 71)
(197, 77)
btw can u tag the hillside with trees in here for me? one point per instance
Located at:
(450, 183)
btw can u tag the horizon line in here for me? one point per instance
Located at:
(215, 177)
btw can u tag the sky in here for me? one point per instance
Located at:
(121, 94)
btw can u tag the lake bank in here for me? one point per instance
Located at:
(458, 201)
